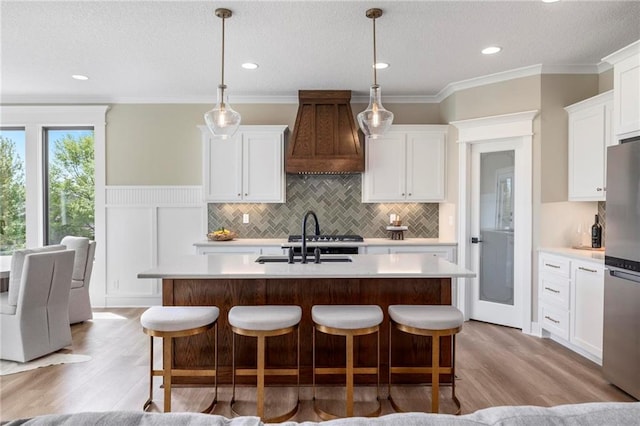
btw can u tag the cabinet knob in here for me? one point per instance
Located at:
(402, 194)
(599, 189)
(239, 194)
(245, 194)
(409, 194)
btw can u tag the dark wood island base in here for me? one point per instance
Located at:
(197, 351)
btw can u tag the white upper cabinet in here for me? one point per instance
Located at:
(248, 168)
(626, 87)
(590, 133)
(406, 165)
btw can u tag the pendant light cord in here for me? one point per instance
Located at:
(375, 76)
(223, 19)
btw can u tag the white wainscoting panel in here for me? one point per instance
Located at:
(147, 225)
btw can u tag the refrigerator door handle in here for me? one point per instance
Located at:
(624, 275)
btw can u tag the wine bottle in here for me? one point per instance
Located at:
(596, 234)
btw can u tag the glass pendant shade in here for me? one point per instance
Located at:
(375, 120)
(222, 120)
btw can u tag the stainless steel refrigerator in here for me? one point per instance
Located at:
(621, 336)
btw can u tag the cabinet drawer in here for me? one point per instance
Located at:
(554, 290)
(555, 264)
(555, 321)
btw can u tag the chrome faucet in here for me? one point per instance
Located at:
(304, 232)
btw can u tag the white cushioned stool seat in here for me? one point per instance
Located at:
(347, 316)
(264, 318)
(428, 317)
(176, 318)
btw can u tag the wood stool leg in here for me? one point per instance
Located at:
(435, 374)
(167, 362)
(349, 375)
(147, 404)
(260, 373)
(313, 364)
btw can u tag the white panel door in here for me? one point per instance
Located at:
(222, 169)
(587, 307)
(177, 229)
(385, 176)
(263, 171)
(587, 148)
(425, 166)
(130, 242)
(496, 293)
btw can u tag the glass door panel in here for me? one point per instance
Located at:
(497, 188)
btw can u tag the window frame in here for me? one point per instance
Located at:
(36, 118)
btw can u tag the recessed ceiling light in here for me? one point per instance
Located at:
(249, 66)
(491, 50)
(550, 1)
(381, 65)
(79, 77)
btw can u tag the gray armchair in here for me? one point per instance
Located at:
(34, 313)
(79, 301)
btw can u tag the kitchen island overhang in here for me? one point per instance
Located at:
(229, 280)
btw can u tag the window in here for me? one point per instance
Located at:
(12, 190)
(69, 185)
(52, 197)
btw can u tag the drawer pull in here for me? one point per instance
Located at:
(553, 290)
(587, 269)
(551, 319)
(550, 265)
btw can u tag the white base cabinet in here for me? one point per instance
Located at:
(571, 300)
(246, 169)
(590, 133)
(406, 165)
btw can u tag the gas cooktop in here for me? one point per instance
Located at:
(327, 238)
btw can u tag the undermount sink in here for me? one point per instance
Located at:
(285, 259)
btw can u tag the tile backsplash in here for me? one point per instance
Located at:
(336, 199)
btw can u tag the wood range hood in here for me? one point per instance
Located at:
(325, 137)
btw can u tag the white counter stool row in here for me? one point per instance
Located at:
(435, 321)
(170, 322)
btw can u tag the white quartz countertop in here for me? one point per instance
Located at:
(589, 255)
(405, 265)
(280, 242)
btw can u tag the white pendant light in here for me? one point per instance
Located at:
(375, 120)
(222, 120)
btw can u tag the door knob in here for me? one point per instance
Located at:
(475, 240)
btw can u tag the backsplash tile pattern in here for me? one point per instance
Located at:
(336, 199)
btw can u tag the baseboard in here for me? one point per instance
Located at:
(133, 301)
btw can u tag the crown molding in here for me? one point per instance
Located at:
(292, 98)
(624, 53)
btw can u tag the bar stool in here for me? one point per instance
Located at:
(436, 321)
(348, 321)
(262, 322)
(169, 322)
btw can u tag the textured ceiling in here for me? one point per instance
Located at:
(162, 51)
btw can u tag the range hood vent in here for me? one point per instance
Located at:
(325, 137)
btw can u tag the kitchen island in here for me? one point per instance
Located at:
(237, 279)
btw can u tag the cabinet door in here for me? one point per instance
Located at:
(384, 179)
(588, 139)
(626, 80)
(263, 171)
(425, 166)
(222, 169)
(587, 307)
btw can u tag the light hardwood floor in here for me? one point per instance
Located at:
(495, 366)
